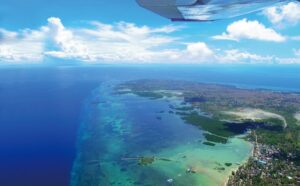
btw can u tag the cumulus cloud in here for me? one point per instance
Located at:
(288, 14)
(68, 46)
(26, 45)
(237, 56)
(105, 43)
(245, 29)
(198, 51)
(123, 43)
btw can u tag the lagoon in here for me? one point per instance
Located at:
(42, 108)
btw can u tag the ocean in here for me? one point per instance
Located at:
(42, 110)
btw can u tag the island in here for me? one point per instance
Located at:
(269, 119)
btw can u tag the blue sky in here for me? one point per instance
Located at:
(114, 31)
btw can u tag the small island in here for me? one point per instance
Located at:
(268, 119)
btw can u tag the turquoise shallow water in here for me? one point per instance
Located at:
(118, 128)
(41, 111)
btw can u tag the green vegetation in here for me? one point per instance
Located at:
(288, 141)
(228, 164)
(273, 118)
(186, 108)
(209, 143)
(144, 161)
(151, 95)
(220, 168)
(274, 173)
(210, 125)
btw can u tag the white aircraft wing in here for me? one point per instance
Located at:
(205, 10)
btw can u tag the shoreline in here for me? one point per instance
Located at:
(235, 170)
(266, 165)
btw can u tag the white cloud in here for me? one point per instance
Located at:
(288, 14)
(197, 52)
(122, 43)
(26, 45)
(237, 56)
(68, 45)
(199, 49)
(290, 60)
(244, 29)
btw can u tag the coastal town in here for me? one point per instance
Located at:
(266, 166)
(269, 120)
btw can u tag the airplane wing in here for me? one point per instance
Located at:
(205, 10)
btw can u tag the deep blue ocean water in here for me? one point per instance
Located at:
(41, 107)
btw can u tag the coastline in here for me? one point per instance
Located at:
(230, 176)
(235, 170)
(243, 163)
(268, 164)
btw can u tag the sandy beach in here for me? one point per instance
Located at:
(255, 115)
